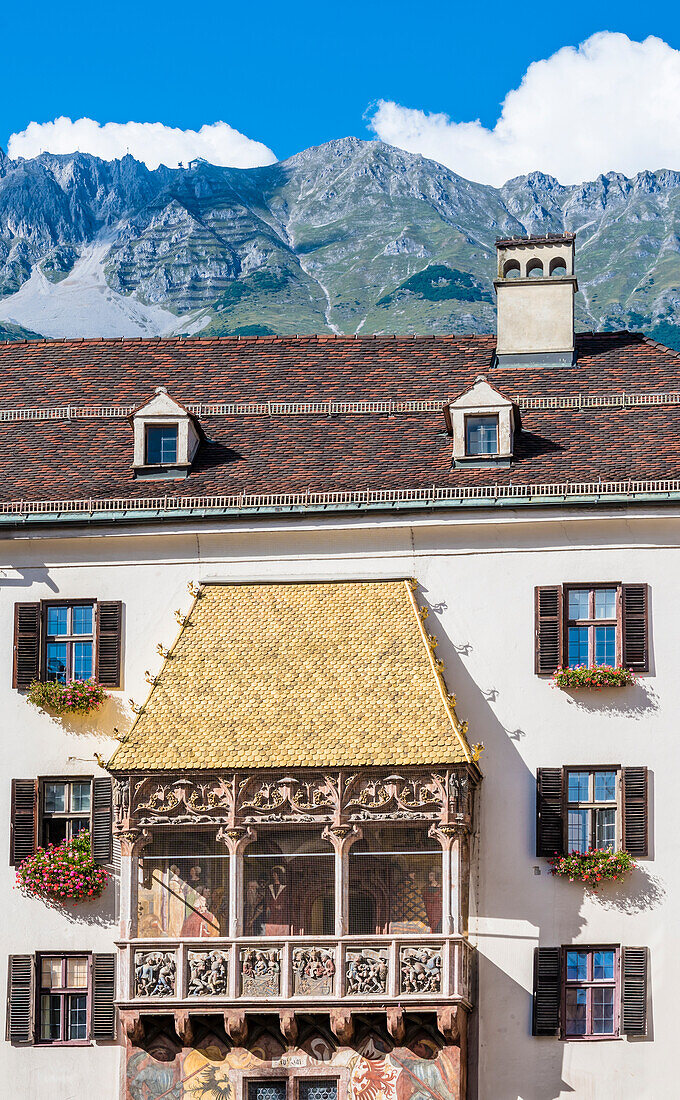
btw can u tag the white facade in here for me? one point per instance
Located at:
(477, 572)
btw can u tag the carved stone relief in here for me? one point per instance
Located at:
(155, 973)
(208, 974)
(366, 971)
(260, 972)
(313, 971)
(420, 969)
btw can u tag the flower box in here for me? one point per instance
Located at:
(75, 697)
(595, 677)
(593, 867)
(64, 872)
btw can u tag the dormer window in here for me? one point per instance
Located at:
(166, 438)
(161, 444)
(483, 424)
(481, 435)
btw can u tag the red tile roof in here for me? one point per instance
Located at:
(56, 460)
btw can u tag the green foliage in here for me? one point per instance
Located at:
(439, 283)
(75, 697)
(595, 676)
(593, 867)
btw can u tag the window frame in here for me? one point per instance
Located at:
(67, 815)
(63, 993)
(592, 805)
(70, 639)
(589, 984)
(151, 424)
(481, 415)
(591, 622)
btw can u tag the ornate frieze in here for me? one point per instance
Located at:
(366, 971)
(260, 972)
(155, 974)
(420, 969)
(251, 798)
(313, 971)
(208, 973)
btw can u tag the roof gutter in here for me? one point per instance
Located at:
(434, 500)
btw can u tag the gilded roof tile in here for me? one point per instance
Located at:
(298, 675)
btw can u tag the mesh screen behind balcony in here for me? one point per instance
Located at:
(288, 884)
(395, 881)
(184, 886)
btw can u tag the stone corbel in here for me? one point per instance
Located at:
(132, 841)
(396, 1025)
(235, 838)
(342, 1026)
(236, 1027)
(452, 1024)
(185, 1032)
(133, 1026)
(289, 1027)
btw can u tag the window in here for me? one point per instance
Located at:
(395, 882)
(591, 979)
(183, 886)
(63, 1002)
(69, 645)
(161, 444)
(66, 806)
(593, 626)
(67, 640)
(318, 1090)
(591, 810)
(481, 435)
(266, 1090)
(599, 807)
(289, 884)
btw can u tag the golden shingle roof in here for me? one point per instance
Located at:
(298, 675)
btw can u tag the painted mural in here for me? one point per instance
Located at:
(370, 1071)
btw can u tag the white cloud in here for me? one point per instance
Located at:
(609, 105)
(150, 142)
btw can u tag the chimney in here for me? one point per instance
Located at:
(535, 290)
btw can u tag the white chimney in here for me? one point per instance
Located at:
(535, 291)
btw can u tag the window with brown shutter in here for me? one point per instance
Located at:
(24, 820)
(579, 808)
(547, 991)
(548, 612)
(26, 663)
(68, 640)
(20, 998)
(584, 992)
(103, 1016)
(635, 811)
(550, 812)
(591, 624)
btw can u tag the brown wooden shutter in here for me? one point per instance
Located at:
(26, 662)
(103, 996)
(635, 627)
(101, 819)
(23, 831)
(548, 641)
(550, 811)
(547, 990)
(20, 985)
(634, 991)
(109, 642)
(635, 812)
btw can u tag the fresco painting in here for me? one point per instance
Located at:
(212, 1071)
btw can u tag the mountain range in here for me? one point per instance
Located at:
(348, 237)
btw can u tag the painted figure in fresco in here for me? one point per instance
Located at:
(277, 898)
(253, 915)
(200, 921)
(432, 899)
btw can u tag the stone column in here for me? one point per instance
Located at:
(132, 843)
(236, 838)
(453, 839)
(342, 837)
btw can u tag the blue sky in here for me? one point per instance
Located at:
(286, 75)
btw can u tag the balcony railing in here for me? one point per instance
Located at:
(309, 971)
